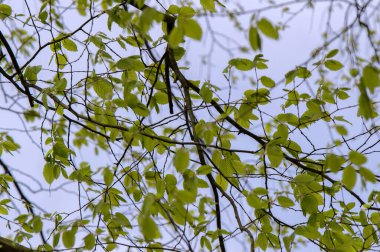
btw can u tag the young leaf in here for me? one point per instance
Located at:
(274, 154)
(267, 28)
(371, 77)
(285, 201)
(5, 11)
(69, 45)
(332, 53)
(48, 172)
(148, 227)
(268, 82)
(208, 5)
(254, 39)
(333, 65)
(349, 177)
(192, 29)
(357, 158)
(103, 88)
(68, 238)
(176, 37)
(241, 64)
(181, 159)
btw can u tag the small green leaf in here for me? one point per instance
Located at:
(103, 88)
(186, 12)
(108, 176)
(3, 210)
(241, 64)
(148, 227)
(268, 82)
(5, 11)
(254, 201)
(285, 201)
(204, 170)
(309, 204)
(267, 28)
(303, 178)
(349, 177)
(206, 93)
(89, 241)
(60, 150)
(357, 158)
(333, 65)
(371, 78)
(181, 159)
(274, 154)
(192, 29)
(69, 45)
(254, 39)
(68, 238)
(130, 63)
(48, 172)
(367, 174)
(332, 53)
(262, 241)
(208, 5)
(176, 37)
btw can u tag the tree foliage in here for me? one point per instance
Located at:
(147, 155)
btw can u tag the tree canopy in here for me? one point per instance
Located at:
(134, 125)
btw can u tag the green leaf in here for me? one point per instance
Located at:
(285, 201)
(366, 108)
(186, 12)
(141, 110)
(221, 181)
(148, 227)
(332, 53)
(333, 65)
(68, 238)
(89, 241)
(303, 178)
(130, 63)
(254, 201)
(367, 174)
(254, 39)
(176, 37)
(3, 210)
(281, 135)
(371, 78)
(267, 28)
(181, 159)
(61, 60)
(5, 11)
(262, 241)
(334, 162)
(268, 82)
(206, 93)
(108, 176)
(60, 150)
(349, 177)
(69, 45)
(192, 29)
(208, 5)
(357, 158)
(309, 204)
(48, 172)
(103, 88)
(274, 154)
(204, 170)
(241, 64)
(31, 73)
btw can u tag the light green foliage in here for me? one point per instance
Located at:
(189, 125)
(5, 11)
